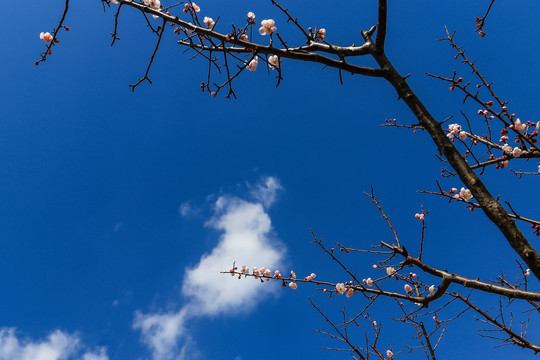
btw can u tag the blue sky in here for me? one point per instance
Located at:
(119, 208)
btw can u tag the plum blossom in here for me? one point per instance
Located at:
(293, 275)
(209, 22)
(407, 288)
(195, 7)
(267, 27)
(153, 4)
(454, 129)
(537, 127)
(527, 272)
(340, 288)
(390, 271)
(368, 282)
(277, 274)
(350, 292)
(293, 285)
(46, 36)
(252, 65)
(273, 61)
(113, 1)
(250, 15)
(516, 152)
(432, 289)
(267, 272)
(389, 353)
(312, 275)
(518, 125)
(463, 135)
(419, 216)
(507, 148)
(465, 194)
(244, 270)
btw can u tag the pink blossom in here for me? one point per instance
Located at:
(322, 31)
(465, 194)
(528, 271)
(374, 323)
(250, 15)
(252, 66)
(293, 285)
(454, 129)
(507, 148)
(245, 270)
(518, 125)
(195, 7)
(419, 216)
(390, 271)
(389, 353)
(503, 138)
(46, 36)
(153, 4)
(255, 271)
(267, 272)
(293, 275)
(516, 152)
(277, 274)
(209, 22)
(267, 27)
(453, 191)
(369, 282)
(313, 275)
(273, 61)
(350, 292)
(340, 288)
(374, 266)
(463, 135)
(407, 288)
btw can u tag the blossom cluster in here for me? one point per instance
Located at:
(455, 130)
(464, 193)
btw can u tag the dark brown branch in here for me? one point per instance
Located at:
(466, 282)
(381, 26)
(514, 338)
(145, 77)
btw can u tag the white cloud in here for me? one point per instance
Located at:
(57, 346)
(162, 332)
(187, 210)
(265, 192)
(247, 240)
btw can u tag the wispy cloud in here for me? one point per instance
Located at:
(246, 238)
(186, 209)
(57, 346)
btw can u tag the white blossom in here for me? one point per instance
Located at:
(465, 194)
(46, 36)
(209, 22)
(267, 27)
(340, 288)
(252, 66)
(273, 61)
